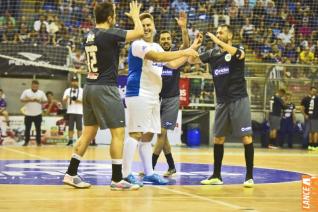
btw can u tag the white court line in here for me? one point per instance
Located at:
(24, 153)
(193, 196)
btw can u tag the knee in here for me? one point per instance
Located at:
(219, 140)
(136, 135)
(247, 139)
(147, 137)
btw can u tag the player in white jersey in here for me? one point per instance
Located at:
(145, 62)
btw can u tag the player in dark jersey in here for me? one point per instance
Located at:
(305, 102)
(232, 113)
(313, 118)
(169, 95)
(287, 122)
(102, 106)
(276, 105)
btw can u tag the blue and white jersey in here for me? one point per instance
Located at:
(144, 76)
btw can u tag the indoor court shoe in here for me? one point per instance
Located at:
(155, 179)
(170, 173)
(212, 181)
(249, 183)
(133, 180)
(75, 181)
(123, 185)
(310, 148)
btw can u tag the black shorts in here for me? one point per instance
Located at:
(169, 108)
(233, 118)
(103, 106)
(75, 119)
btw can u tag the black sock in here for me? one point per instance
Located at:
(218, 157)
(170, 161)
(272, 141)
(154, 160)
(116, 172)
(72, 168)
(249, 159)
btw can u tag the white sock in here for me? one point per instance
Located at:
(145, 152)
(128, 156)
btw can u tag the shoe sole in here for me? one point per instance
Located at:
(154, 183)
(124, 189)
(74, 186)
(248, 186)
(169, 175)
(207, 183)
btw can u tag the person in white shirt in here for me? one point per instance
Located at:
(73, 99)
(33, 99)
(144, 83)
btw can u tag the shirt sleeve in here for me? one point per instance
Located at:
(206, 56)
(23, 95)
(43, 98)
(140, 49)
(118, 35)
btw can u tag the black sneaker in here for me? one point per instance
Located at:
(70, 142)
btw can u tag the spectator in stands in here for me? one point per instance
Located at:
(192, 31)
(288, 122)
(220, 14)
(3, 108)
(179, 5)
(78, 60)
(73, 99)
(245, 12)
(305, 30)
(233, 12)
(33, 99)
(9, 34)
(23, 35)
(287, 35)
(43, 37)
(52, 106)
(306, 56)
(247, 32)
(38, 24)
(290, 52)
(258, 13)
(4, 20)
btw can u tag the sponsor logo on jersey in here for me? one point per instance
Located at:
(167, 72)
(244, 129)
(221, 71)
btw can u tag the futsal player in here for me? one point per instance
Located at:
(169, 96)
(232, 113)
(102, 106)
(276, 107)
(144, 83)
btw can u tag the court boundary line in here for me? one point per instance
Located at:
(25, 153)
(193, 196)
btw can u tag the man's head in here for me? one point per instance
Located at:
(165, 40)
(105, 13)
(35, 85)
(313, 91)
(49, 96)
(224, 33)
(148, 25)
(281, 92)
(74, 82)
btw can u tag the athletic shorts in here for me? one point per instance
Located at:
(143, 114)
(313, 125)
(103, 106)
(233, 118)
(75, 119)
(274, 122)
(169, 108)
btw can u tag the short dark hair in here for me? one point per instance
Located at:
(35, 82)
(145, 15)
(49, 93)
(1, 90)
(283, 91)
(102, 11)
(312, 87)
(228, 27)
(165, 31)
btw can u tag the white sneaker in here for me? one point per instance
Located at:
(123, 185)
(249, 183)
(75, 181)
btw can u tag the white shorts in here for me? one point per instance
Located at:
(143, 114)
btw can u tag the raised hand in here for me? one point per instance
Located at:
(134, 10)
(182, 20)
(197, 41)
(213, 37)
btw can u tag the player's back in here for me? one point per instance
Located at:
(102, 55)
(144, 76)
